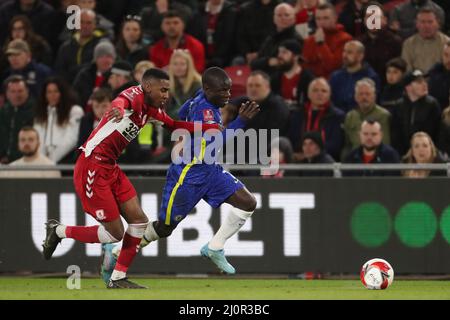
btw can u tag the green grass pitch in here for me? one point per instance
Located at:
(223, 289)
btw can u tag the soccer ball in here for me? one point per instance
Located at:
(377, 274)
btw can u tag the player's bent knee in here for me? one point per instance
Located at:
(162, 229)
(251, 203)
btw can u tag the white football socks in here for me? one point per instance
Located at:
(61, 231)
(232, 224)
(150, 233)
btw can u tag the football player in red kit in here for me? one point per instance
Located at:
(104, 190)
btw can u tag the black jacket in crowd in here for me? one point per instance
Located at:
(273, 114)
(269, 48)
(351, 18)
(135, 56)
(68, 63)
(322, 158)
(223, 37)
(410, 117)
(439, 84)
(384, 154)
(255, 22)
(391, 95)
(385, 46)
(84, 83)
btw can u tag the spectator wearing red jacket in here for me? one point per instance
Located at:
(173, 27)
(323, 50)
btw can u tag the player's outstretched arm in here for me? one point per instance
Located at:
(171, 124)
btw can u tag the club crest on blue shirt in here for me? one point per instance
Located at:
(208, 115)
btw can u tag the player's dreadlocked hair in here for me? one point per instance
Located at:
(155, 73)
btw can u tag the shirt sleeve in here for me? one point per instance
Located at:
(171, 124)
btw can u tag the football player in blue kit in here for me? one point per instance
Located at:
(189, 182)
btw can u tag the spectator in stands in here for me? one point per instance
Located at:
(284, 20)
(314, 153)
(175, 38)
(20, 28)
(21, 63)
(416, 111)
(422, 151)
(320, 115)
(140, 68)
(352, 17)
(79, 49)
(323, 50)
(371, 150)
(39, 12)
(439, 78)
(101, 102)
(343, 81)
(152, 16)
(130, 47)
(214, 24)
(57, 121)
(382, 44)
(280, 153)
(273, 112)
(367, 108)
(404, 15)
(305, 22)
(444, 133)
(424, 49)
(393, 90)
(290, 80)
(121, 77)
(102, 22)
(93, 75)
(255, 22)
(185, 81)
(29, 148)
(14, 115)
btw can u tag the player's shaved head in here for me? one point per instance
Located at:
(216, 85)
(214, 77)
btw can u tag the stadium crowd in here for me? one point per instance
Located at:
(336, 89)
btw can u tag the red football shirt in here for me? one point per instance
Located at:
(109, 138)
